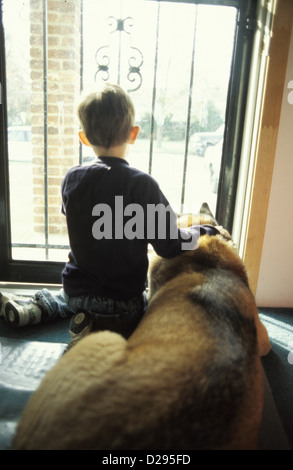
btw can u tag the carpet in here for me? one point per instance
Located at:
(23, 364)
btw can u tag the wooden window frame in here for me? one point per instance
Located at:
(267, 139)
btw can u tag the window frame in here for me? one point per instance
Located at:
(48, 272)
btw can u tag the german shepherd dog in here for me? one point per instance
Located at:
(189, 377)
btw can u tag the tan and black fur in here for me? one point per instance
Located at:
(189, 377)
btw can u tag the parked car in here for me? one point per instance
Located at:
(201, 140)
(19, 144)
(213, 157)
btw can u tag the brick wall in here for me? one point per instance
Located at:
(63, 90)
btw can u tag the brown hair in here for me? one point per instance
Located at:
(107, 117)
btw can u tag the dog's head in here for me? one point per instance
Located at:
(204, 218)
(215, 250)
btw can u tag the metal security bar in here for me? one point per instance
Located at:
(45, 75)
(135, 60)
(34, 271)
(189, 110)
(154, 93)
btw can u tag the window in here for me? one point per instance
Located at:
(186, 65)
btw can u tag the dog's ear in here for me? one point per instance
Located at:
(205, 209)
(207, 215)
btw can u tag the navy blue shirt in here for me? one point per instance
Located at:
(110, 226)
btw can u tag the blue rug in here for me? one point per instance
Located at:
(55, 332)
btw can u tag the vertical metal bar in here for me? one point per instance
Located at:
(154, 94)
(81, 43)
(45, 81)
(81, 64)
(189, 109)
(119, 43)
(5, 209)
(119, 60)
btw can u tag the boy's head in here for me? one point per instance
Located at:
(107, 117)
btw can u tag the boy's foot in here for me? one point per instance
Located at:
(8, 297)
(80, 326)
(21, 313)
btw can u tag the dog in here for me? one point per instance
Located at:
(189, 377)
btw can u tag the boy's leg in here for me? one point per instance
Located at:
(120, 316)
(94, 313)
(44, 306)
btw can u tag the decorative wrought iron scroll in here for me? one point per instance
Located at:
(134, 59)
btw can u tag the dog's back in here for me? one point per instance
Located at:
(188, 378)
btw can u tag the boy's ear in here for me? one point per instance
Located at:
(83, 139)
(133, 134)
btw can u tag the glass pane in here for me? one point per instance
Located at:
(174, 59)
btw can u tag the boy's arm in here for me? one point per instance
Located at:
(177, 242)
(162, 230)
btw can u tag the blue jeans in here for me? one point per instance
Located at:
(108, 314)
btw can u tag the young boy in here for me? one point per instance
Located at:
(113, 212)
